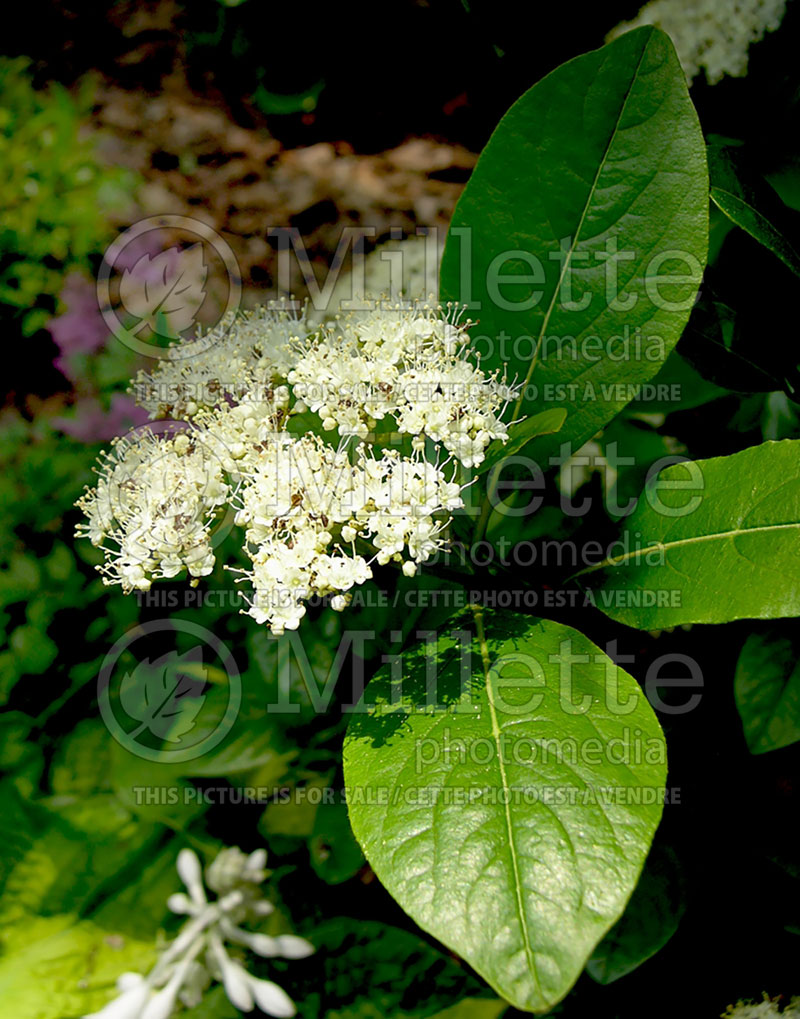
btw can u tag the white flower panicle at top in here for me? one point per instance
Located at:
(316, 515)
(303, 491)
(710, 34)
(300, 493)
(199, 954)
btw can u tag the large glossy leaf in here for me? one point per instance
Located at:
(710, 541)
(604, 153)
(511, 821)
(767, 689)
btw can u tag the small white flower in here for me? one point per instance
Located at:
(153, 507)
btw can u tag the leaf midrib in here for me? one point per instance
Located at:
(529, 953)
(693, 540)
(568, 259)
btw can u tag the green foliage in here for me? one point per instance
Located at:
(55, 194)
(371, 970)
(649, 921)
(550, 204)
(59, 966)
(504, 777)
(713, 541)
(335, 854)
(767, 689)
(749, 202)
(486, 820)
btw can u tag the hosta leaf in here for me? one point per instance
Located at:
(60, 856)
(520, 850)
(604, 155)
(767, 689)
(711, 541)
(56, 966)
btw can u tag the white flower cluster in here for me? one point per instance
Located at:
(198, 955)
(154, 504)
(409, 366)
(710, 34)
(768, 1008)
(303, 491)
(395, 384)
(220, 364)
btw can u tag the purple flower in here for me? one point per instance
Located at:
(80, 329)
(91, 422)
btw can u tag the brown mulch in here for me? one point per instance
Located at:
(194, 161)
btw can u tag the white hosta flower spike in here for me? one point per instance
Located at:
(191, 873)
(198, 955)
(128, 1005)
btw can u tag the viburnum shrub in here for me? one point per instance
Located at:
(504, 776)
(315, 513)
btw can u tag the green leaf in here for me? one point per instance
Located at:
(711, 541)
(749, 202)
(474, 1008)
(722, 350)
(335, 854)
(55, 966)
(767, 690)
(605, 154)
(154, 791)
(548, 422)
(624, 452)
(82, 762)
(60, 856)
(650, 920)
(485, 787)
(678, 386)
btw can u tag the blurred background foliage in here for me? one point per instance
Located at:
(254, 114)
